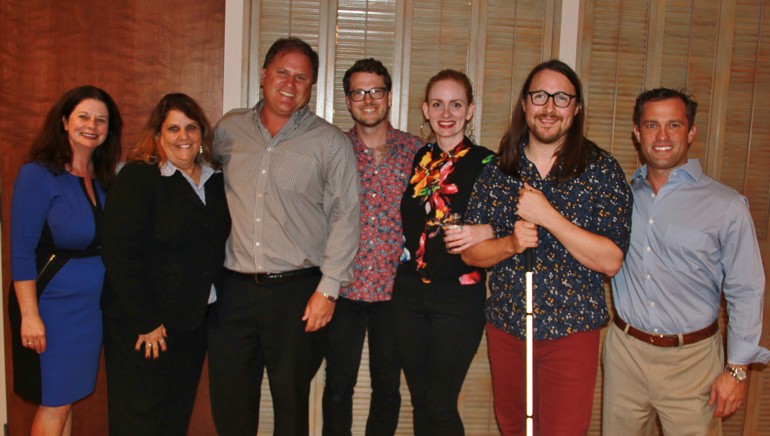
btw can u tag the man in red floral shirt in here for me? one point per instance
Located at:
(384, 157)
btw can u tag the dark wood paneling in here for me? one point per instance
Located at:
(135, 50)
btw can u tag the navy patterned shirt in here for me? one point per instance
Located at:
(568, 297)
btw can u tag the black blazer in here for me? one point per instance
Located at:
(162, 247)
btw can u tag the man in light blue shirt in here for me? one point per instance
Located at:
(692, 238)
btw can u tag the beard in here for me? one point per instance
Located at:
(369, 120)
(551, 135)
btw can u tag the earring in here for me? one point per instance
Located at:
(200, 150)
(469, 129)
(425, 137)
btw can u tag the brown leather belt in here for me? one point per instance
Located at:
(279, 278)
(668, 340)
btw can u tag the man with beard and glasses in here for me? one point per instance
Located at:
(556, 192)
(384, 157)
(292, 190)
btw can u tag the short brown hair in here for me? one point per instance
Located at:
(296, 45)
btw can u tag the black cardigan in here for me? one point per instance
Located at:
(162, 247)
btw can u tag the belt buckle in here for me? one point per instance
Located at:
(664, 338)
(267, 278)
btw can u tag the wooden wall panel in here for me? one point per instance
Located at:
(613, 73)
(135, 50)
(717, 51)
(516, 41)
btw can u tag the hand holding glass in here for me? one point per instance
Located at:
(452, 221)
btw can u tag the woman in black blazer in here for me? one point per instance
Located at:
(165, 227)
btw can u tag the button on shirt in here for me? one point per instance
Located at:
(568, 297)
(381, 237)
(293, 197)
(691, 241)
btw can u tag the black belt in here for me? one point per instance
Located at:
(280, 278)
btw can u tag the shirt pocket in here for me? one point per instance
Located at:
(299, 173)
(242, 166)
(687, 247)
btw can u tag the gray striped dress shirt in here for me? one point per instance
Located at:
(293, 198)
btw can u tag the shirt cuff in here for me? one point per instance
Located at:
(329, 286)
(740, 352)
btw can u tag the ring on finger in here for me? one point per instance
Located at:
(149, 345)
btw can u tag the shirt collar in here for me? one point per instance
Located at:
(437, 151)
(690, 171)
(295, 120)
(168, 169)
(360, 146)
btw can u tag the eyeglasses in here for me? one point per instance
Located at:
(560, 99)
(360, 94)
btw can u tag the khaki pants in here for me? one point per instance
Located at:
(642, 380)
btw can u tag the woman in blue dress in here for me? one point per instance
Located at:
(56, 264)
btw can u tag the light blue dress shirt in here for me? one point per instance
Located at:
(689, 242)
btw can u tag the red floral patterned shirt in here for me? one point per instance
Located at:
(381, 236)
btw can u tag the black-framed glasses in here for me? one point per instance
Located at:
(560, 99)
(360, 94)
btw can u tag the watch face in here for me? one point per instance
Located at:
(738, 373)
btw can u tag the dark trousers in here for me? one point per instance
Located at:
(438, 330)
(152, 396)
(351, 322)
(255, 327)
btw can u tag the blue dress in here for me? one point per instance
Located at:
(59, 207)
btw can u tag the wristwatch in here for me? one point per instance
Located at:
(739, 374)
(331, 299)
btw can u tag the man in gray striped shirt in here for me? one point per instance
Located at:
(292, 189)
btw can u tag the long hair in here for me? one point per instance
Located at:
(447, 74)
(576, 152)
(52, 149)
(149, 150)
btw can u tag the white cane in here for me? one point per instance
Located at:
(529, 265)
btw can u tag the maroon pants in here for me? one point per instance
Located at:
(564, 381)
